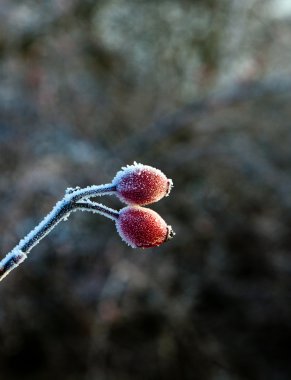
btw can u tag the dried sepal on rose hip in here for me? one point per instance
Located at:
(140, 184)
(142, 227)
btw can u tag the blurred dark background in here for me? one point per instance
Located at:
(200, 89)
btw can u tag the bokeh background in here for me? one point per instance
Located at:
(200, 89)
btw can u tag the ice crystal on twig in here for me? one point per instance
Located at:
(140, 227)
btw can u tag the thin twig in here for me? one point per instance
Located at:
(97, 208)
(61, 211)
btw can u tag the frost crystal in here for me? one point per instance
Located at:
(141, 227)
(141, 184)
(11, 261)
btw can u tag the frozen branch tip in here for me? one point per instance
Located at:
(135, 185)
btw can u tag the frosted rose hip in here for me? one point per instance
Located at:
(141, 227)
(141, 184)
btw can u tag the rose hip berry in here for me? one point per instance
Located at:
(141, 227)
(139, 184)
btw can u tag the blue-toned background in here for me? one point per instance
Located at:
(199, 89)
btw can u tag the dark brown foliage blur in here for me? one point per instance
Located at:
(199, 89)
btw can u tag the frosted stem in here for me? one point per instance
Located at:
(92, 191)
(60, 212)
(97, 208)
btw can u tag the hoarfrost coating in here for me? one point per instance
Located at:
(140, 184)
(140, 227)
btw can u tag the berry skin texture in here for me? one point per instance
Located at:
(140, 184)
(142, 227)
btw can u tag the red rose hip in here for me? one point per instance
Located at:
(141, 227)
(141, 184)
